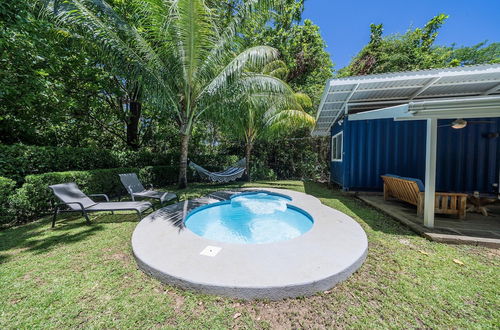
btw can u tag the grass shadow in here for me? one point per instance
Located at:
(35, 237)
(39, 237)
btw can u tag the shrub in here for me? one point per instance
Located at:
(159, 175)
(293, 159)
(216, 161)
(34, 198)
(258, 171)
(19, 160)
(7, 187)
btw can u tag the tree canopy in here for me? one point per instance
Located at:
(415, 50)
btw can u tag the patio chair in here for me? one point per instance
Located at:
(136, 190)
(411, 191)
(71, 196)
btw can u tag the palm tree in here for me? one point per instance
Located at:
(187, 63)
(267, 115)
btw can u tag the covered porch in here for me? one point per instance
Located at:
(487, 106)
(476, 229)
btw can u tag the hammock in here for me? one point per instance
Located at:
(230, 174)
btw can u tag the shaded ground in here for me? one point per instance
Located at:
(484, 229)
(85, 276)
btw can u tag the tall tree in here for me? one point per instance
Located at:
(480, 53)
(414, 50)
(176, 50)
(300, 44)
(51, 94)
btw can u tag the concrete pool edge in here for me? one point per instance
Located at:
(289, 290)
(313, 262)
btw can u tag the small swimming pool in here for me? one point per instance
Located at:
(250, 218)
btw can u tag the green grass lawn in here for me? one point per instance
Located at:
(85, 276)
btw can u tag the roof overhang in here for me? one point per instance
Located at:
(474, 107)
(354, 95)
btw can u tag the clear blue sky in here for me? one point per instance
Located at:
(345, 25)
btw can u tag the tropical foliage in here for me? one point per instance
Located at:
(175, 53)
(266, 116)
(416, 50)
(301, 46)
(110, 76)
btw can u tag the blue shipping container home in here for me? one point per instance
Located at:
(441, 126)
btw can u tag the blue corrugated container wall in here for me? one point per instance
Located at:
(337, 168)
(467, 159)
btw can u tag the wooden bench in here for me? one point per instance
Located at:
(408, 191)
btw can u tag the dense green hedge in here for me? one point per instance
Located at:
(17, 161)
(291, 159)
(7, 187)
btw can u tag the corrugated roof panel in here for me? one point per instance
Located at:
(393, 84)
(473, 88)
(384, 94)
(369, 91)
(332, 106)
(342, 88)
(457, 79)
(335, 97)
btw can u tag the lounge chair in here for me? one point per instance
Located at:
(77, 201)
(228, 175)
(136, 190)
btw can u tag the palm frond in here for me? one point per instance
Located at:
(303, 100)
(259, 55)
(286, 120)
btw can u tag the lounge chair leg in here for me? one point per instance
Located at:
(86, 217)
(56, 212)
(139, 215)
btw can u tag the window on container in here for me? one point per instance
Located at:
(337, 147)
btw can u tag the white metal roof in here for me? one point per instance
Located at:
(363, 93)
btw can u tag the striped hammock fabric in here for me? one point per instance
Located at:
(228, 175)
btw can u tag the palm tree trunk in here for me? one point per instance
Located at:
(183, 161)
(248, 152)
(133, 125)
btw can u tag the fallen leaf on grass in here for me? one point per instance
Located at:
(423, 252)
(235, 316)
(327, 291)
(458, 262)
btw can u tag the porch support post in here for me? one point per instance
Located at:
(430, 172)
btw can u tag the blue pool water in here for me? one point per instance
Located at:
(250, 218)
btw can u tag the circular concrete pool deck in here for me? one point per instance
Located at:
(333, 249)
